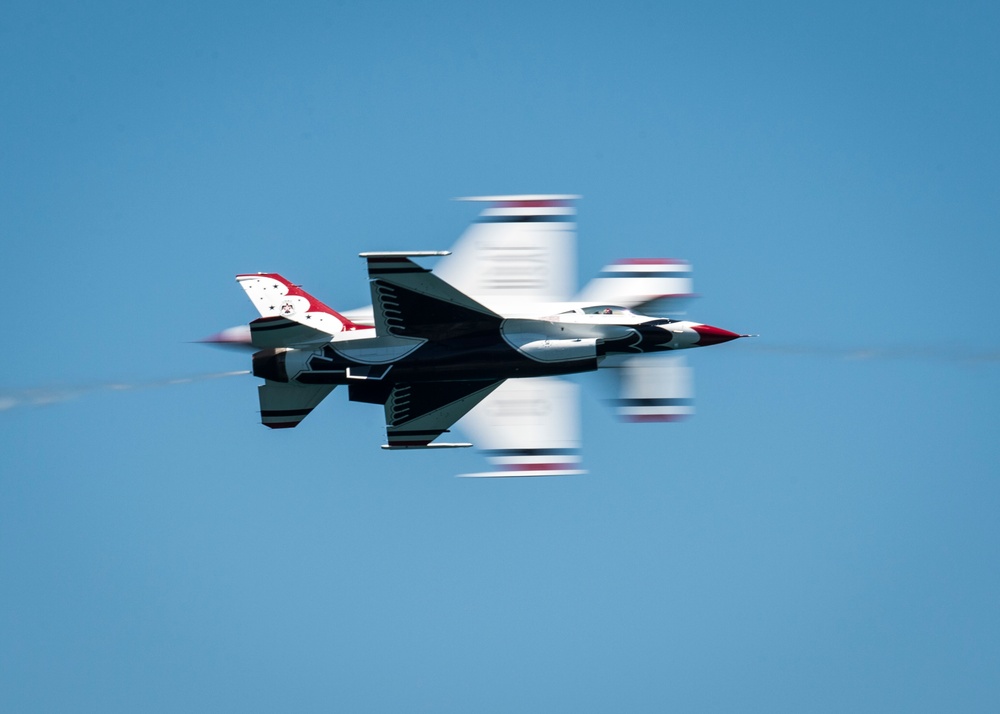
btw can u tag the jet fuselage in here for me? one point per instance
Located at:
(569, 343)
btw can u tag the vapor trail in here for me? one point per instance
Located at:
(42, 396)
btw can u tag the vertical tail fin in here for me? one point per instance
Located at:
(275, 296)
(652, 285)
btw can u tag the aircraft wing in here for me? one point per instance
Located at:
(417, 413)
(410, 301)
(528, 427)
(520, 251)
(652, 388)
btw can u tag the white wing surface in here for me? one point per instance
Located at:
(653, 388)
(519, 252)
(528, 427)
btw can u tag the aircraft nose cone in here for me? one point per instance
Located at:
(708, 335)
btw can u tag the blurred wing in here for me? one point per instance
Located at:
(528, 427)
(521, 250)
(650, 286)
(653, 388)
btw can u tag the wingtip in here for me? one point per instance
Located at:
(523, 474)
(522, 197)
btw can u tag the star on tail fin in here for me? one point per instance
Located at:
(276, 296)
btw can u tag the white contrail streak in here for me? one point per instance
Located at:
(43, 396)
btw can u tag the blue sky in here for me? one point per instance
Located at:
(822, 536)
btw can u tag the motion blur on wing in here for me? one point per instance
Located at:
(484, 340)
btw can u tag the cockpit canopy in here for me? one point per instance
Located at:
(599, 310)
(618, 311)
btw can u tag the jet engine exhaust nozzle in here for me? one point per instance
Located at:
(270, 364)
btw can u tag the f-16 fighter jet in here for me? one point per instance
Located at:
(433, 353)
(466, 341)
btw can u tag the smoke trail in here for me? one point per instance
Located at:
(43, 396)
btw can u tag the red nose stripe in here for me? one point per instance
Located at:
(713, 335)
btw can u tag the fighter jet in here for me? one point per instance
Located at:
(486, 336)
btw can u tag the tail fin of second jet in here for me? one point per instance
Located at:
(275, 296)
(651, 286)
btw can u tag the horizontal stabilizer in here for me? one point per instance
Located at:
(283, 406)
(278, 331)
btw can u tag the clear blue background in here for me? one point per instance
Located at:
(822, 536)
